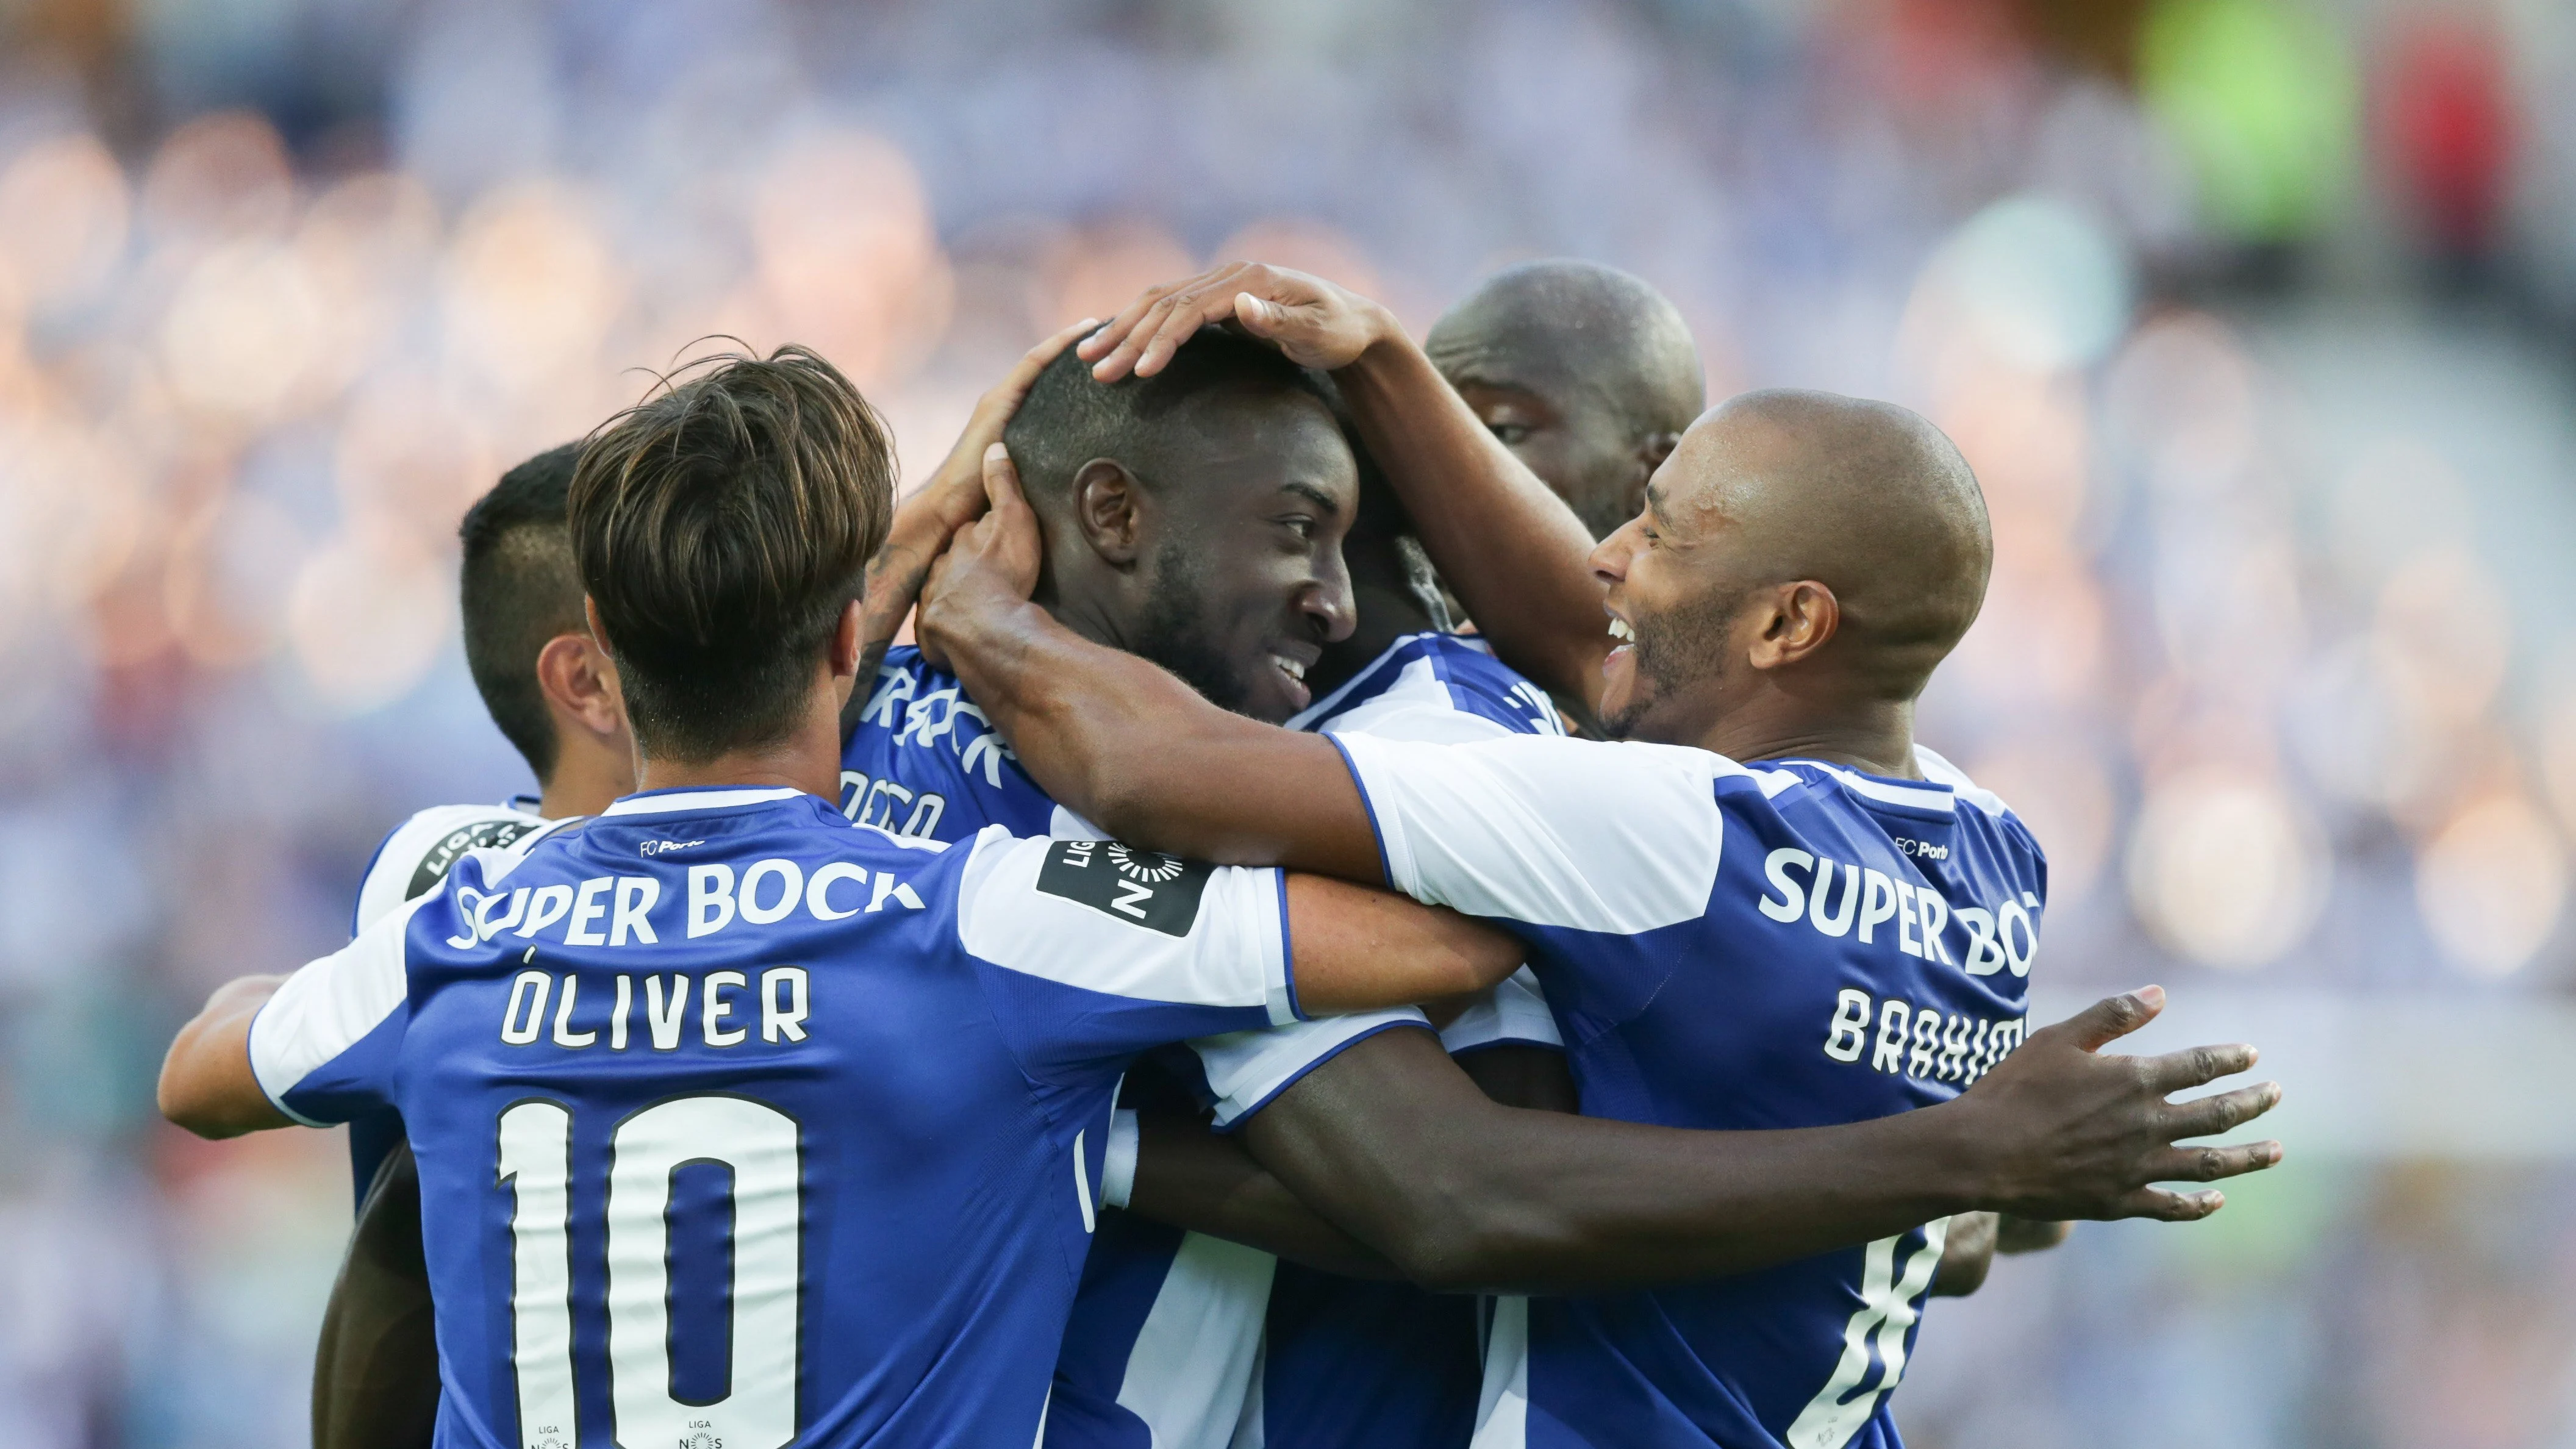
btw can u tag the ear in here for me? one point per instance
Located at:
(580, 681)
(1802, 620)
(1108, 506)
(848, 643)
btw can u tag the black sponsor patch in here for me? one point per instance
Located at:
(1141, 887)
(481, 835)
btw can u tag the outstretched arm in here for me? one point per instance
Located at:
(932, 514)
(1516, 555)
(1391, 1143)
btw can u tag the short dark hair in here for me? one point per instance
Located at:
(518, 588)
(721, 526)
(1070, 418)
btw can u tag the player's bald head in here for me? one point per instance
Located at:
(1867, 498)
(1774, 490)
(1607, 365)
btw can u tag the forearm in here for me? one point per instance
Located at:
(206, 1082)
(1516, 556)
(922, 526)
(1463, 1194)
(1190, 1177)
(1214, 786)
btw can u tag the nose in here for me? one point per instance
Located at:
(1326, 599)
(1609, 561)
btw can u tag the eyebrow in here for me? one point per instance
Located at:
(1655, 506)
(1314, 495)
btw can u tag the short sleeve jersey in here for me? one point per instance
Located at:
(1792, 945)
(409, 863)
(1177, 1339)
(738, 1124)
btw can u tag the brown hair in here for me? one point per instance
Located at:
(721, 526)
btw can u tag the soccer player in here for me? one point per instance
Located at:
(1166, 1337)
(1837, 931)
(1208, 520)
(552, 691)
(737, 1124)
(1586, 373)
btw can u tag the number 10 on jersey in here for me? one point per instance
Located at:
(760, 1145)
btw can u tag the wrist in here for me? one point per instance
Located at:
(1954, 1157)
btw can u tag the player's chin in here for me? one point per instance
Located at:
(1619, 682)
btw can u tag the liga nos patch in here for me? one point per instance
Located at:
(1142, 887)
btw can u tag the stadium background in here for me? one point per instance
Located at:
(2255, 317)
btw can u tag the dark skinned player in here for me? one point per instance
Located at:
(1095, 545)
(1607, 861)
(1586, 373)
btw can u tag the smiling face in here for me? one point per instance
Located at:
(1239, 553)
(1678, 587)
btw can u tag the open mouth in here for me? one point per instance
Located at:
(1292, 672)
(1626, 635)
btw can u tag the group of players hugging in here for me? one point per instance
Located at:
(1206, 994)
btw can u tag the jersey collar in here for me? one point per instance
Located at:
(693, 797)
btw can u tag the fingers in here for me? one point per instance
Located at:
(2210, 1164)
(2171, 1207)
(2111, 1018)
(1014, 387)
(1111, 333)
(1002, 485)
(1169, 321)
(2209, 1116)
(2199, 1066)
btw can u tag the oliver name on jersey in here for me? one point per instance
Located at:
(739, 1124)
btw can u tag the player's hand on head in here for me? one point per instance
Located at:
(992, 561)
(956, 492)
(2078, 1132)
(1315, 323)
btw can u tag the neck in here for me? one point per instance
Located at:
(589, 773)
(808, 759)
(1875, 737)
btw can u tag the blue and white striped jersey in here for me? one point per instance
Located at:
(1173, 1340)
(740, 1125)
(1791, 945)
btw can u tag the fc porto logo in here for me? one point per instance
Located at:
(1141, 887)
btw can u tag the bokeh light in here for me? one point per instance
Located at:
(2225, 867)
(2492, 883)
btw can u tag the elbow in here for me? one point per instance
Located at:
(187, 1101)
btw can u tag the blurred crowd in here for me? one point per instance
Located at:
(2254, 316)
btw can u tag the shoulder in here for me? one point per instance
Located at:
(1424, 675)
(418, 854)
(1976, 799)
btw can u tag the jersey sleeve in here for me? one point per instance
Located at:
(1512, 1012)
(1102, 950)
(323, 1047)
(1546, 831)
(417, 855)
(1247, 1070)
